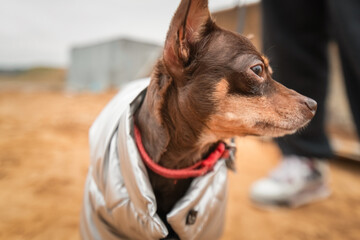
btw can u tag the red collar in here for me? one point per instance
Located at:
(198, 169)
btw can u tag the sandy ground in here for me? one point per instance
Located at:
(44, 158)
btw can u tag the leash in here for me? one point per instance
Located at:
(198, 169)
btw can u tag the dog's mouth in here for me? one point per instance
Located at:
(278, 130)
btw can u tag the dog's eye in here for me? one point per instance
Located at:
(257, 69)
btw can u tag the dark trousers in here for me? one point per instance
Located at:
(295, 38)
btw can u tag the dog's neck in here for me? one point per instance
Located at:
(172, 138)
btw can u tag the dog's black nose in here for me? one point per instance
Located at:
(311, 104)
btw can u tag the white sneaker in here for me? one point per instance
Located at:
(296, 181)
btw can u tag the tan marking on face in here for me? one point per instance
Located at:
(221, 89)
(231, 116)
(276, 114)
(267, 64)
(266, 61)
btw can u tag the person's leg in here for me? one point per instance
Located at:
(345, 19)
(295, 39)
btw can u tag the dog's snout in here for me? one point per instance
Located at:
(311, 104)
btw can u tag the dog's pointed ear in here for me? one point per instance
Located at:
(187, 27)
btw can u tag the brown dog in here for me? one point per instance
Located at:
(210, 84)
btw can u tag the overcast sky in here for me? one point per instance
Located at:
(42, 32)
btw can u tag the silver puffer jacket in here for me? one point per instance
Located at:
(119, 202)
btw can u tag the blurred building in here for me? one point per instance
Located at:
(110, 64)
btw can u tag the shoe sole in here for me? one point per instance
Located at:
(306, 196)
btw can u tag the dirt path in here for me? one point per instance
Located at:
(44, 159)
